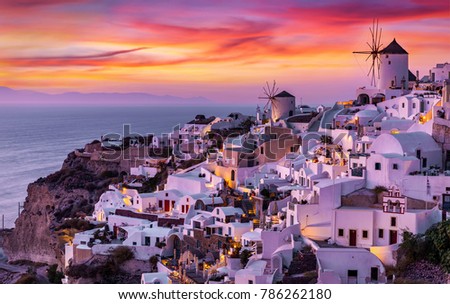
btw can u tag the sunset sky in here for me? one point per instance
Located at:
(222, 50)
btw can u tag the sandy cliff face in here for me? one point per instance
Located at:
(69, 192)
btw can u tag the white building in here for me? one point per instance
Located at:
(349, 266)
(440, 72)
(114, 199)
(152, 235)
(161, 200)
(380, 229)
(228, 221)
(155, 278)
(196, 181)
(394, 156)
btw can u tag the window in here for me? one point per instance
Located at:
(380, 233)
(414, 105)
(250, 281)
(340, 232)
(83, 242)
(395, 167)
(352, 273)
(365, 234)
(393, 222)
(403, 105)
(424, 162)
(389, 62)
(262, 150)
(167, 194)
(232, 175)
(134, 243)
(377, 166)
(198, 244)
(418, 154)
(217, 211)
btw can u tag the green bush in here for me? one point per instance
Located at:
(54, 276)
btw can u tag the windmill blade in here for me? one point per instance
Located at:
(370, 55)
(370, 70)
(379, 39)
(266, 106)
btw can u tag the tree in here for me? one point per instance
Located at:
(245, 256)
(433, 246)
(54, 276)
(154, 259)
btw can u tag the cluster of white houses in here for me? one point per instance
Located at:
(342, 182)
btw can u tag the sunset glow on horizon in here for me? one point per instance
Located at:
(222, 50)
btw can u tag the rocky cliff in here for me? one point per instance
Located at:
(68, 193)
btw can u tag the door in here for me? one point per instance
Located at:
(352, 276)
(352, 238)
(392, 237)
(374, 274)
(167, 205)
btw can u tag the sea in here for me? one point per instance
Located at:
(34, 141)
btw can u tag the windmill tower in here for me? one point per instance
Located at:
(282, 104)
(374, 53)
(394, 67)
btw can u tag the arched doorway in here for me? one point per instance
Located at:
(362, 99)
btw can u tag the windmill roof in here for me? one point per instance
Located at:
(394, 48)
(284, 94)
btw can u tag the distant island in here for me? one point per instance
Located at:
(10, 96)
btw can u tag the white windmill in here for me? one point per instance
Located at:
(282, 105)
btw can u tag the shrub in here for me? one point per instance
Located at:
(27, 279)
(54, 276)
(109, 174)
(380, 189)
(122, 254)
(245, 256)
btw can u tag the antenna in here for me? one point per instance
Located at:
(374, 53)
